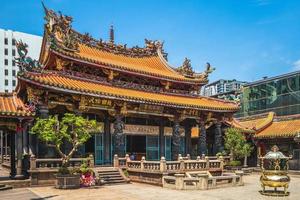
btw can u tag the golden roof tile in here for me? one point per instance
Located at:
(11, 105)
(96, 88)
(154, 65)
(280, 129)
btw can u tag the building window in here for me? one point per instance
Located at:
(13, 82)
(6, 51)
(6, 82)
(13, 63)
(6, 91)
(6, 72)
(5, 62)
(14, 72)
(13, 52)
(6, 41)
(13, 42)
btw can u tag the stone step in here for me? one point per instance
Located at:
(115, 172)
(5, 187)
(108, 176)
(115, 182)
(108, 170)
(112, 179)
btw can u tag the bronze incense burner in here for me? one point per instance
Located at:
(274, 167)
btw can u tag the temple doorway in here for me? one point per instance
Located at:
(136, 146)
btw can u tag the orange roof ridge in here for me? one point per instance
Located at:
(257, 123)
(258, 116)
(149, 60)
(11, 105)
(280, 129)
(60, 82)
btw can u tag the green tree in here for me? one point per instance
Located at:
(74, 129)
(236, 143)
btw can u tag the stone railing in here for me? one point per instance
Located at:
(202, 181)
(55, 163)
(162, 166)
(226, 159)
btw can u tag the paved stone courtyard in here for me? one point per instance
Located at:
(136, 191)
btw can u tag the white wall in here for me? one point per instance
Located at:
(34, 43)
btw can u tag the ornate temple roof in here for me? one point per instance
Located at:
(11, 105)
(280, 129)
(270, 126)
(62, 40)
(71, 84)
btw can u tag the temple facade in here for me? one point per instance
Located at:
(143, 106)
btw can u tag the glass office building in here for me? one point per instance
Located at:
(280, 94)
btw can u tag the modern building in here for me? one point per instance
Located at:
(279, 94)
(271, 108)
(223, 89)
(8, 51)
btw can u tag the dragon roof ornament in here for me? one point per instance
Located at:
(61, 35)
(59, 30)
(25, 62)
(186, 70)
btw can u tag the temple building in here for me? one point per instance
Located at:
(15, 117)
(143, 106)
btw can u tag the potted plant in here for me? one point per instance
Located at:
(87, 175)
(73, 129)
(236, 144)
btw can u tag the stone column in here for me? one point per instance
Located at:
(161, 138)
(6, 153)
(119, 137)
(32, 143)
(218, 147)
(202, 147)
(41, 149)
(19, 148)
(43, 111)
(175, 139)
(12, 155)
(258, 155)
(25, 139)
(188, 140)
(1, 145)
(107, 140)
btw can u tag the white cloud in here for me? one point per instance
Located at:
(263, 2)
(296, 65)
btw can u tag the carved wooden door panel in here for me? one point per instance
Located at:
(99, 149)
(152, 147)
(168, 147)
(182, 146)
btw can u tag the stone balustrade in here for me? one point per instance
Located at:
(55, 163)
(201, 181)
(162, 166)
(42, 170)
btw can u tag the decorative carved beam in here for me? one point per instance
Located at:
(110, 74)
(61, 64)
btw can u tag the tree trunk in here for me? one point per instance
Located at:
(245, 161)
(232, 157)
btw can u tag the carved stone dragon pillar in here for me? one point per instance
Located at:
(202, 148)
(218, 138)
(175, 139)
(119, 137)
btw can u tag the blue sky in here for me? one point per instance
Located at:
(243, 39)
